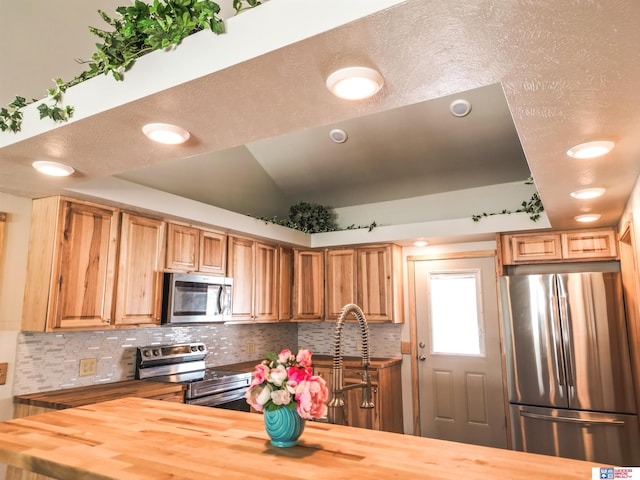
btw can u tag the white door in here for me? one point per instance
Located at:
(459, 360)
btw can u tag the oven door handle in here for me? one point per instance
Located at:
(218, 398)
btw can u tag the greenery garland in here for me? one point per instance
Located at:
(533, 207)
(311, 218)
(140, 29)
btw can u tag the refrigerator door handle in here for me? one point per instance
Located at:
(583, 421)
(557, 343)
(564, 320)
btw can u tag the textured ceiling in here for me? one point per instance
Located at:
(569, 72)
(410, 151)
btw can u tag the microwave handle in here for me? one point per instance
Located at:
(221, 295)
(223, 301)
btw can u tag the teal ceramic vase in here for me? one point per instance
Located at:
(284, 426)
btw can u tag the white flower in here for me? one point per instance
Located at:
(280, 397)
(264, 395)
(278, 375)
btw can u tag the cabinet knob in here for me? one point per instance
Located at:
(422, 358)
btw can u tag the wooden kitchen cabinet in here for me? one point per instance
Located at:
(341, 280)
(559, 246)
(285, 284)
(71, 265)
(308, 285)
(590, 244)
(213, 252)
(254, 268)
(369, 276)
(140, 269)
(192, 249)
(386, 393)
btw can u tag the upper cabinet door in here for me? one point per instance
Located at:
(308, 285)
(379, 279)
(341, 280)
(140, 267)
(590, 244)
(285, 284)
(240, 268)
(265, 302)
(253, 266)
(213, 252)
(183, 243)
(82, 290)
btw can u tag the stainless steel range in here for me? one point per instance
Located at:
(185, 363)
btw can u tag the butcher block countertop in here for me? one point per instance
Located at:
(138, 438)
(78, 396)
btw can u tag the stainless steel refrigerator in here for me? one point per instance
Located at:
(568, 371)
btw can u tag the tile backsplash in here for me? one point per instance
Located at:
(384, 339)
(50, 361)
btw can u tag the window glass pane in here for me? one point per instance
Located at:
(454, 314)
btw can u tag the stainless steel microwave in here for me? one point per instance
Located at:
(194, 298)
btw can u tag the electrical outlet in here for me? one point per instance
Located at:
(88, 366)
(3, 373)
(251, 347)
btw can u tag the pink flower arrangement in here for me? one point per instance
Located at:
(287, 381)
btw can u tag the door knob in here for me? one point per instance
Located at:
(422, 358)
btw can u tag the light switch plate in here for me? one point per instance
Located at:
(88, 366)
(3, 373)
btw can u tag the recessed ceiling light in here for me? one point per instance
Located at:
(420, 243)
(590, 217)
(355, 83)
(587, 193)
(54, 169)
(591, 149)
(165, 133)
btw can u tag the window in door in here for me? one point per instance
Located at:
(456, 326)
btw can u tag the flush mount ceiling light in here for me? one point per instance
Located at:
(420, 243)
(588, 193)
(590, 217)
(355, 83)
(591, 149)
(460, 107)
(338, 135)
(54, 169)
(165, 133)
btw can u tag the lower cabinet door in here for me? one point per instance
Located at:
(362, 417)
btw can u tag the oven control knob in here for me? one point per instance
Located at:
(201, 348)
(194, 348)
(145, 353)
(156, 352)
